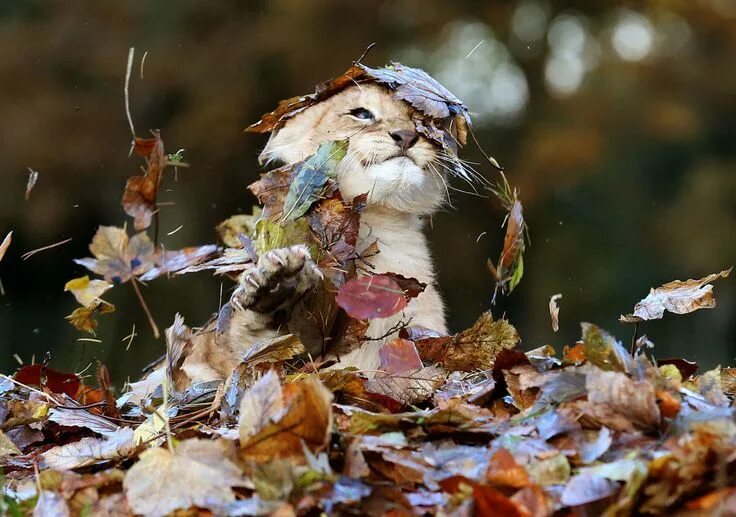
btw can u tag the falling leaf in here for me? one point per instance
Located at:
(5, 244)
(32, 179)
(197, 473)
(554, 311)
(83, 318)
(368, 297)
(139, 197)
(472, 349)
(310, 177)
(86, 291)
(117, 257)
(677, 297)
(90, 451)
(177, 260)
(509, 269)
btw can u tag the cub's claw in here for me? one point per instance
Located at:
(279, 279)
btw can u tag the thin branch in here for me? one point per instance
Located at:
(151, 321)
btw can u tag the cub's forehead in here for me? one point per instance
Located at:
(371, 96)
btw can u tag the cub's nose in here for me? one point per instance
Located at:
(404, 138)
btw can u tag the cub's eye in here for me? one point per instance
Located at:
(361, 114)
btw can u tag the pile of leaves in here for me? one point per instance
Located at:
(460, 424)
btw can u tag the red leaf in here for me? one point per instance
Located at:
(368, 297)
(56, 382)
(400, 356)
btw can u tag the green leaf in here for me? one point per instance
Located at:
(310, 176)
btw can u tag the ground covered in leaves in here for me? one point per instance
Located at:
(467, 424)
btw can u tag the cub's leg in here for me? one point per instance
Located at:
(256, 311)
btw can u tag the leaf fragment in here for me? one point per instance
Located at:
(5, 244)
(554, 311)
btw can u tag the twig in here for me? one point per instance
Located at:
(143, 61)
(29, 254)
(151, 321)
(129, 67)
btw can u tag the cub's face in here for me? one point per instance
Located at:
(386, 157)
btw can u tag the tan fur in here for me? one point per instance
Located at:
(402, 188)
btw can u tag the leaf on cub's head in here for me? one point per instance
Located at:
(677, 297)
(310, 178)
(139, 196)
(411, 85)
(117, 257)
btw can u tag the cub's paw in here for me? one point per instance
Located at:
(279, 279)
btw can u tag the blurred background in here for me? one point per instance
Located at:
(615, 120)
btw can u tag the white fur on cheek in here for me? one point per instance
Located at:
(397, 183)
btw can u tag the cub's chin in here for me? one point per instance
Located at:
(397, 183)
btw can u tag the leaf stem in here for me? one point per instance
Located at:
(151, 321)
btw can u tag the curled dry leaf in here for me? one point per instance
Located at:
(197, 473)
(473, 349)
(90, 451)
(677, 297)
(554, 311)
(5, 244)
(117, 257)
(139, 197)
(179, 344)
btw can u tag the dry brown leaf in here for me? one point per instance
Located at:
(83, 318)
(408, 388)
(260, 406)
(473, 349)
(179, 344)
(139, 197)
(554, 311)
(197, 473)
(89, 451)
(304, 418)
(620, 403)
(677, 297)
